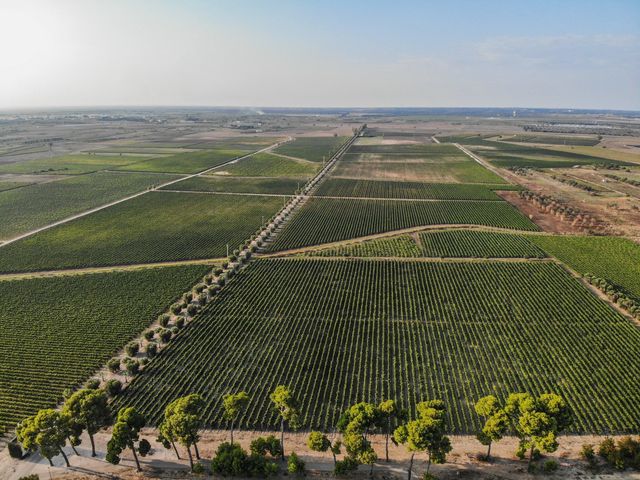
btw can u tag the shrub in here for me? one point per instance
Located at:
(132, 349)
(550, 466)
(200, 287)
(587, 452)
(113, 387)
(131, 366)
(202, 299)
(148, 335)
(192, 309)
(164, 319)
(295, 465)
(217, 272)
(176, 308)
(198, 469)
(165, 335)
(346, 466)
(187, 297)
(33, 476)
(225, 265)
(264, 445)
(230, 459)
(15, 450)
(93, 383)
(144, 447)
(180, 322)
(114, 365)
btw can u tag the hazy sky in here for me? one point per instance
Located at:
(556, 53)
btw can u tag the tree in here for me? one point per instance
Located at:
(496, 421)
(355, 424)
(182, 422)
(319, 442)
(287, 408)
(89, 408)
(426, 434)
(46, 432)
(125, 434)
(167, 438)
(537, 421)
(234, 404)
(390, 413)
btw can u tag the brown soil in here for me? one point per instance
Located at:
(547, 222)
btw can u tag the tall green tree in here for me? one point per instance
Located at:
(125, 434)
(355, 424)
(89, 410)
(390, 413)
(167, 438)
(46, 432)
(496, 421)
(426, 434)
(286, 406)
(183, 421)
(319, 442)
(234, 405)
(537, 421)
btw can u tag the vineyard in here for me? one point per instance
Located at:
(189, 162)
(314, 149)
(69, 164)
(227, 184)
(36, 205)
(58, 331)
(445, 244)
(342, 187)
(344, 331)
(268, 165)
(155, 227)
(616, 259)
(324, 220)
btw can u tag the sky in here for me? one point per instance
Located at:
(320, 53)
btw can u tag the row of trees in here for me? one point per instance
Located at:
(536, 421)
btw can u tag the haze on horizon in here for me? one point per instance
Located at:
(570, 54)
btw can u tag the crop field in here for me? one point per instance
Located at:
(442, 243)
(191, 162)
(344, 331)
(616, 259)
(227, 184)
(70, 164)
(324, 220)
(57, 331)
(314, 149)
(33, 206)
(418, 149)
(344, 187)
(8, 185)
(155, 227)
(434, 169)
(268, 165)
(553, 139)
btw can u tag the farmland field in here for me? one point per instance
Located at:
(70, 164)
(616, 259)
(33, 206)
(191, 162)
(268, 165)
(417, 149)
(210, 183)
(155, 227)
(553, 139)
(57, 331)
(441, 243)
(344, 331)
(313, 149)
(324, 220)
(343, 187)
(7, 185)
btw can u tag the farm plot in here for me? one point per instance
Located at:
(324, 220)
(343, 187)
(344, 331)
(34, 206)
(442, 243)
(8, 185)
(268, 165)
(434, 169)
(553, 139)
(191, 162)
(56, 331)
(314, 149)
(421, 149)
(277, 186)
(614, 258)
(155, 227)
(70, 164)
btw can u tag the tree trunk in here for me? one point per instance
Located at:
(282, 437)
(135, 456)
(93, 445)
(530, 458)
(489, 452)
(429, 464)
(231, 432)
(190, 457)
(66, 460)
(335, 461)
(175, 449)
(72, 446)
(386, 442)
(50, 462)
(410, 466)
(371, 471)
(195, 447)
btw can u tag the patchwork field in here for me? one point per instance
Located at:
(34, 206)
(314, 149)
(70, 164)
(155, 227)
(324, 220)
(344, 331)
(8, 185)
(268, 165)
(191, 162)
(445, 244)
(227, 184)
(57, 331)
(553, 139)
